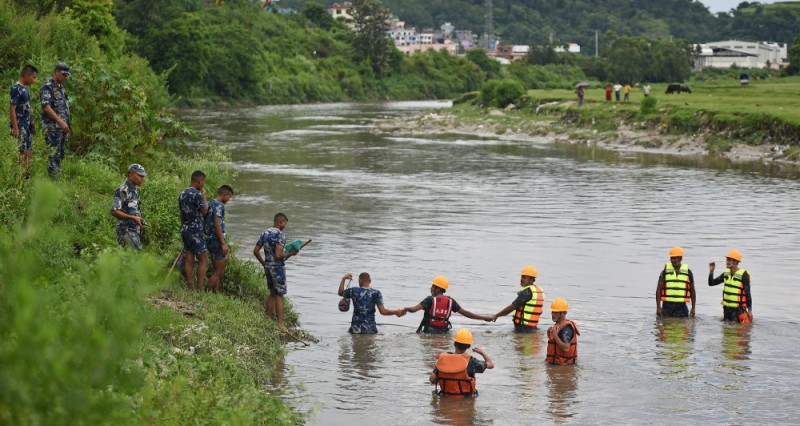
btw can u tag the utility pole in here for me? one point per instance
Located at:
(488, 25)
(596, 44)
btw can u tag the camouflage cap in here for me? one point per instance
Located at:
(64, 68)
(137, 168)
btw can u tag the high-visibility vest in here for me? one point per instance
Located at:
(529, 313)
(556, 355)
(676, 284)
(451, 377)
(733, 295)
(440, 311)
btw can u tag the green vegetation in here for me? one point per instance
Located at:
(766, 112)
(93, 334)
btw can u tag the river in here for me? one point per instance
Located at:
(598, 226)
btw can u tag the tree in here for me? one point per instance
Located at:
(317, 14)
(370, 41)
(794, 57)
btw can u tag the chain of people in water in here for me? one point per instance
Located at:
(203, 235)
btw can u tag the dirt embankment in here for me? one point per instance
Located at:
(629, 137)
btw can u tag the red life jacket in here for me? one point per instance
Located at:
(554, 354)
(452, 379)
(440, 311)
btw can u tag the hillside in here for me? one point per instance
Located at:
(536, 21)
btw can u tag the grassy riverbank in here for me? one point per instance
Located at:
(94, 334)
(718, 118)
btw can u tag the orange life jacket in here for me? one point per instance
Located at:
(554, 354)
(440, 311)
(451, 378)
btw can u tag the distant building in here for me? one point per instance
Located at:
(571, 48)
(745, 54)
(343, 12)
(447, 29)
(411, 49)
(511, 52)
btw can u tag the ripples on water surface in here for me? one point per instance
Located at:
(596, 224)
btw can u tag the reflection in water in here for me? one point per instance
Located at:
(562, 383)
(736, 345)
(531, 360)
(357, 361)
(675, 336)
(454, 411)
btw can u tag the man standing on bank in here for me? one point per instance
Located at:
(528, 304)
(215, 235)
(55, 117)
(19, 115)
(737, 304)
(127, 208)
(273, 241)
(675, 287)
(193, 207)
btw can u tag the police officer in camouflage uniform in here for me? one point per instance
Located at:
(193, 206)
(55, 117)
(19, 118)
(128, 209)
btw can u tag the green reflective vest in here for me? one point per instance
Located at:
(676, 284)
(529, 313)
(733, 295)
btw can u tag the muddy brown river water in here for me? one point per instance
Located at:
(597, 224)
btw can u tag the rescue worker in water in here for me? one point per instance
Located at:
(675, 287)
(454, 373)
(562, 337)
(737, 304)
(438, 309)
(528, 305)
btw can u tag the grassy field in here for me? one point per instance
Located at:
(777, 98)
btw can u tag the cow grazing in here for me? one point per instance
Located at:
(678, 88)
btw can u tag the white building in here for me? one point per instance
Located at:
(342, 11)
(571, 48)
(746, 54)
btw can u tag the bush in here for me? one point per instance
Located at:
(648, 105)
(500, 93)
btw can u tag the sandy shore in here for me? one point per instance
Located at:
(629, 137)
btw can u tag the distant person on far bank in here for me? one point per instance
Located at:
(273, 242)
(580, 93)
(365, 300)
(627, 91)
(215, 235)
(609, 91)
(127, 208)
(193, 207)
(737, 303)
(675, 287)
(55, 117)
(19, 115)
(617, 90)
(646, 89)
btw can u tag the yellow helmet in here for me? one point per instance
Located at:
(676, 251)
(440, 282)
(529, 271)
(463, 336)
(734, 254)
(559, 305)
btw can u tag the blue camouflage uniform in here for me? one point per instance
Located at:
(21, 97)
(215, 209)
(364, 302)
(127, 199)
(273, 267)
(53, 94)
(191, 204)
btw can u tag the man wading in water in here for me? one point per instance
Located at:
(438, 309)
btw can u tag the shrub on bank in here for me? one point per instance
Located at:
(501, 93)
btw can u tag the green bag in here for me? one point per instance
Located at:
(294, 246)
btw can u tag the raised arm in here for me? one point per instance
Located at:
(489, 363)
(347, 276)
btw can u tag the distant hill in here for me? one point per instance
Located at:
(563, 21)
